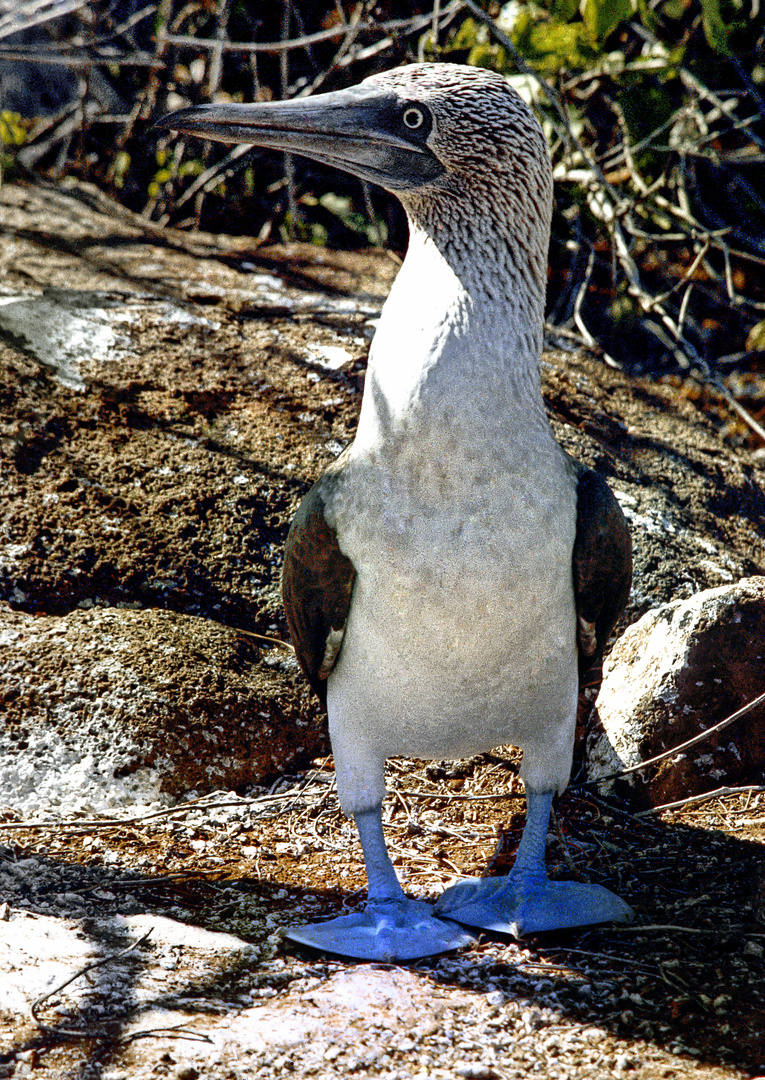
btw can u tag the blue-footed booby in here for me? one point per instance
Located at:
(451, 575)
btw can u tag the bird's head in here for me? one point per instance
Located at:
(440, 136)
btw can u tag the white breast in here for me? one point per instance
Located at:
(461, 634)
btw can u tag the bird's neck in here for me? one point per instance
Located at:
(460, 335)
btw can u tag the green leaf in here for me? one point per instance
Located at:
(647, 17)
(121, 167)
(646, 104)
(601, 17)
(564, 10)
(466, 36)
(756, 338)
(487, 56)
(714, 27)
(552, 46)
(192, 167)
(12, 130)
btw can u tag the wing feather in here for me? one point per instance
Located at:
(317, 584)
(602, 565)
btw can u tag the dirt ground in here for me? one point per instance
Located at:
(150, 474)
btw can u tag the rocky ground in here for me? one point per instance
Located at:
(165, 400)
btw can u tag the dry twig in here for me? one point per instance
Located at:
(87, 1033)
(705, 796)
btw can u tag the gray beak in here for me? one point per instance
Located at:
(360, 130)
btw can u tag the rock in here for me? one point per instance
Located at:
(112, 707)
(680, 669)
(696, 508)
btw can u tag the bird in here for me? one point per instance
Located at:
(453, 574)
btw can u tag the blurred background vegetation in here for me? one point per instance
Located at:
(654, 111)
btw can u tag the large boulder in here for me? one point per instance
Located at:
(107, 708)
(679, 670)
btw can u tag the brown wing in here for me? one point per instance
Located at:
(317, 582)
(602, 564)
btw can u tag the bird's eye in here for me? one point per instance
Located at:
(413, 118)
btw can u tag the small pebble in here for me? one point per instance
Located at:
(475, 1071)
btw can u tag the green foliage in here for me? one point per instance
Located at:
(121, 168)
(167, 170)
(548, 44)
(564, 10)
(339, 212)
(13, 129)
(555, 35)
(672, 9)
(716, 31)
(551, 38)
(13, 134)
(601, 17)
(756, 338)
(551, 45)
(646, 104)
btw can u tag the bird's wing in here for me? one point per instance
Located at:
(602, 565)
(317, 582)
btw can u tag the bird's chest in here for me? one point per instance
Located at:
(463, 562)
(451, 508)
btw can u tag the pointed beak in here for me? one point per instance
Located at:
(358, 130)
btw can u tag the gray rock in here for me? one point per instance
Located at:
(110, 707)
(680, 669)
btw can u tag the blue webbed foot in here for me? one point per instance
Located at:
(390, 931)
(524, 903)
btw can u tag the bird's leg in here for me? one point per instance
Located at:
(392, 928)
(526, 900)
(530, 856)
(382, 883)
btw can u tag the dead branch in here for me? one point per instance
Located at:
(29, 13)
(705, 796)
(403, 26)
